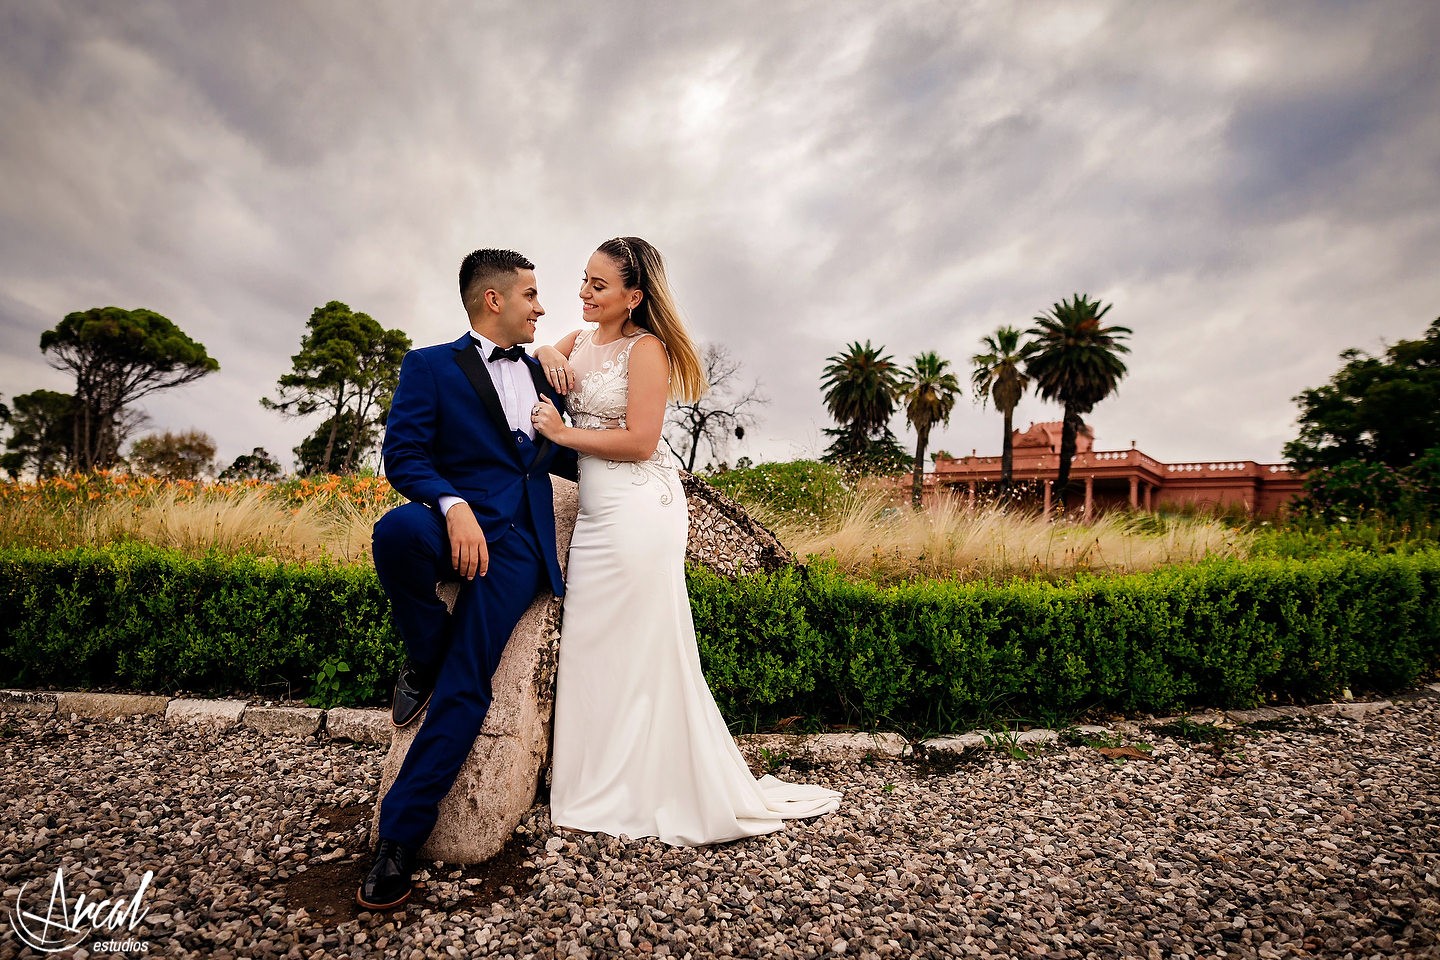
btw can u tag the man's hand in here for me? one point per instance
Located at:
(469, 554)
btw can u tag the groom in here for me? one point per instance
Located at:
(460, 446)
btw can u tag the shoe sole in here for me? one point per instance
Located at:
(360, 899)
(418, 710)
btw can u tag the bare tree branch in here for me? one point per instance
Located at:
(726, 411)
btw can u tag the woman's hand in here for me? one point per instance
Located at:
(557, 369)
(546, 420)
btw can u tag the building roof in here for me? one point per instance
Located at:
(1047, 435)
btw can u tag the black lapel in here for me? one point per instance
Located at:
(467, 355)
(542, 389)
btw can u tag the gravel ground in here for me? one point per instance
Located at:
(1316, 838)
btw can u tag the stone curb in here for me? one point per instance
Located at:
(359, 725)
(28, 701)
(977, 739)
(373, 726)
(1351, 711)
(289, 721)
(221, 714)
(108, 706)
(829, 746)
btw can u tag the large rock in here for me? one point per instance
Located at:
(724, 537)
(498, 782)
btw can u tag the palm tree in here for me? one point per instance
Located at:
(860, 387)
(928, 393)
(1074, 360)
(998, 375)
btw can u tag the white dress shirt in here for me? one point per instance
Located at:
(517, 395)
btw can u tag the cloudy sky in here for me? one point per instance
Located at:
(1253, 186)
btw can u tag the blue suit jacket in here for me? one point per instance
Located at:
(446, 435)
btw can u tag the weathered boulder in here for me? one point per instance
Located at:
(724, 537)
(498, 782)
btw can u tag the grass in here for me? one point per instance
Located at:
(863, 530)
(867, 535)
(1007, 741)
(867, 528)
(244, 522)
(1303, 537)
(310, 519)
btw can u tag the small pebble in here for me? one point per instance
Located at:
(1316, 840)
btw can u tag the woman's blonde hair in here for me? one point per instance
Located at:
(642, 267)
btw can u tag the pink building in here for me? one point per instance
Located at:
(1128, 478)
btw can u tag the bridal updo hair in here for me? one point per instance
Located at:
(488, 269)
(642, 268)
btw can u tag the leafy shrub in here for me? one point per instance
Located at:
(805, 490)
(928, 655)
(329, 688)
(1357, 489)
(1308, 537)
(1225, 632)
(756, 645)
(142, 618)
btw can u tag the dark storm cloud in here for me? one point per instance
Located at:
(1253, 186)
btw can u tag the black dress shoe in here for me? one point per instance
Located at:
(412, 692)
(388, 882)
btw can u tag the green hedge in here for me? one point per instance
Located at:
(936, 655)
(797, 642)
(141, 618)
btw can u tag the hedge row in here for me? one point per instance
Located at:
(938, 655)
(141, 618)
(812, 643)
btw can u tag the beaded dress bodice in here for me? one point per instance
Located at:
(602, 391)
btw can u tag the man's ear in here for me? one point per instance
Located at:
(494, 299)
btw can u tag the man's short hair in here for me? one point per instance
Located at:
(488, 269)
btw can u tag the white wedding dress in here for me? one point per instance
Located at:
(640, 748)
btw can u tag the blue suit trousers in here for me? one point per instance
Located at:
(412, 552)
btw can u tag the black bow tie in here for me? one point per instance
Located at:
(507, 353)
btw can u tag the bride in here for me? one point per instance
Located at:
(640, 750)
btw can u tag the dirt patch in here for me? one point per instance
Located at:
(1202, 736)
(345, 817)
(502, 876)
(1303, 723)
(326, 891)
(927, 764)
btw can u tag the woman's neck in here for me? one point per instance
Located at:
(611, 331)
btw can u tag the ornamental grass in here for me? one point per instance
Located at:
(866, 534)
(307, 518)
(869, 531)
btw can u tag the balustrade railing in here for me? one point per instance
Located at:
(1111, 457)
